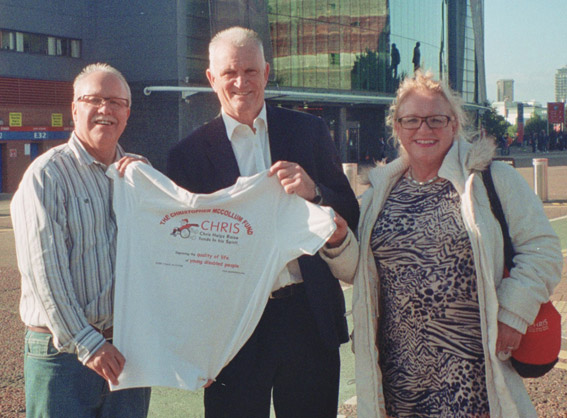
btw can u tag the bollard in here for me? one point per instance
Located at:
(351, 171)
(540, 178)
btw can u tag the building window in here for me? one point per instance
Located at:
(75, 48)
(7, 40)
(334, 58)
(33, 43)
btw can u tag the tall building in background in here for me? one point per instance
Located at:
(331, 58)
(505, 90)
(561, 85)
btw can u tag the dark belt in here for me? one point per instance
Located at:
(287, 291)
(107, 333)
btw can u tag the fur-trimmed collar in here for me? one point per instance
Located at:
(479, 154)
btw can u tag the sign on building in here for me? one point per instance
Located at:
(556, 112)
(15, 119)
(57, 120)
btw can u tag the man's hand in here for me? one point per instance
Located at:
(125, 161)
(340, 233)
(508, 341)
(294, 179)
(108, 362)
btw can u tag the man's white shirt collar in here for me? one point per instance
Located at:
(231, 124)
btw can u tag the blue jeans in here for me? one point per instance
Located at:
(59, 385)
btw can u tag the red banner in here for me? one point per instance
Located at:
(520, 132)
(556, 112)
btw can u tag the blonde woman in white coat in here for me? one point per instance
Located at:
(431, 311)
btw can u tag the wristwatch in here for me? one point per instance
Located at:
(318, 196)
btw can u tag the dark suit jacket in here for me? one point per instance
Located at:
(204, 162)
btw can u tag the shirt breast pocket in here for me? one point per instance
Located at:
(89, 222)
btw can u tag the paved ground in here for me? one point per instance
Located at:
(11, 329)
(549, 393)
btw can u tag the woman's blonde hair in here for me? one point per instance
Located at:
(424, 82)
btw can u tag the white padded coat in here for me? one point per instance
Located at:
(514, 301)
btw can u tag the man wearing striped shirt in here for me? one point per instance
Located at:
(66, 246)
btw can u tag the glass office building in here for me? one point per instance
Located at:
(343, 59)
(344, 44)
(337, 44)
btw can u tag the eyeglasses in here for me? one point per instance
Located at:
(415, 122)
(114, 103)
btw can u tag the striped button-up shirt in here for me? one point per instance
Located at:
(65, 234)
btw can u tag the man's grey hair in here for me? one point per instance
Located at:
(100, 67)
(237, 36)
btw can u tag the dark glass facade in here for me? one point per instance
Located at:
(346, 44)
(347, 47)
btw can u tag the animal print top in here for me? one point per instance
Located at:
(430, 341)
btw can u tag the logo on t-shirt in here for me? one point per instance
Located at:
(209, 225)
(210, 229)
(184, 231)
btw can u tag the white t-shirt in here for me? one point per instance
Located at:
(194, 271)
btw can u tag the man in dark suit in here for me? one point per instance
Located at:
(294, 349)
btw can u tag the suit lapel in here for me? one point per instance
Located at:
(279, 141)
(221, 155)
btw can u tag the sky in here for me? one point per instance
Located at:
(526, 41)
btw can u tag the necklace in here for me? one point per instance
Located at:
(421, 183)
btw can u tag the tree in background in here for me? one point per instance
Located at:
(494, 124)
(364, 73)
(535, 124)
(368, 72)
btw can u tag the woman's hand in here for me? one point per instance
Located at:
(508, 341)
(340, 233)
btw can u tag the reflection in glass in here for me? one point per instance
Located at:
(364, 45)
(335, 44)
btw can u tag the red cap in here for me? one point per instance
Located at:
(542, 342)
